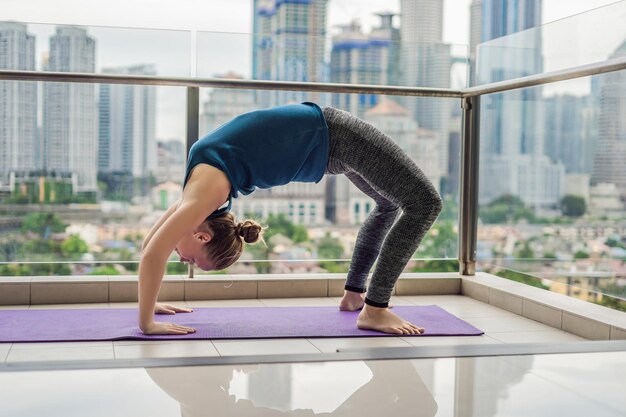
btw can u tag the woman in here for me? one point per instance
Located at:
(271, 147)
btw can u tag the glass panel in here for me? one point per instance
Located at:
(84, 171)
(95, 49)
(553, 186)
(580, 384)
(586, 38)
(350, 57)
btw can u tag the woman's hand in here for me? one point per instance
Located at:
(157, 327)
(170, 309)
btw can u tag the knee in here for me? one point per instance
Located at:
(426, 203)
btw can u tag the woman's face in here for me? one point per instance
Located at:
(190, 249)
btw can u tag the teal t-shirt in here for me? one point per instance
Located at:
(266, 148)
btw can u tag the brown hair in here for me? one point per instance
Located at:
(226, 245)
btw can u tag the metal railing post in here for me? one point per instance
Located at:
(468, 205)
(193, 126)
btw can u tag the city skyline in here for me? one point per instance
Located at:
(171, 100)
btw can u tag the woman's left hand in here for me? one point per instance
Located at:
(170, 309)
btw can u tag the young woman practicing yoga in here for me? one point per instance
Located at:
(267, 148)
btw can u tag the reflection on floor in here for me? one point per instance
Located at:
(580, 384)
(500, 326)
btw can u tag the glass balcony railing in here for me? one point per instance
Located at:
(548, 154)
(552, 180)
(79, 200)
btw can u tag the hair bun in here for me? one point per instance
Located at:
(249, 230)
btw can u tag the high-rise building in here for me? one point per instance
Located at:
(18, 103)
(610, 153)
(69, 109)
(225, 104)
(568, 126)
(357, 58)
(425, 61)
(476, 28)
(127, 124)
(289, 44)
(513, 159)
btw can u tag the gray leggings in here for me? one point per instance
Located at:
(383, 171)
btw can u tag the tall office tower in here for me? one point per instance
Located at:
(69, 112)
(127, 124)
(513, 123)
(476, 23)
(224, 104)
(18, 104)
(426, 62)
(289, 45)
(568, 126)
(610, 153)
(357, 58)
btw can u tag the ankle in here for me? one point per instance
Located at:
(371, 310)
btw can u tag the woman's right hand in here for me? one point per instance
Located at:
(157, 327)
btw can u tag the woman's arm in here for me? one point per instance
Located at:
(205, 192)
(159, 223)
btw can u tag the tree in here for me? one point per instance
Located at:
(43, 224)
(573, 206)
(580, 254)
(440, 241)
(281, 224)
(506, 208)
(330, 248)
(73, 247)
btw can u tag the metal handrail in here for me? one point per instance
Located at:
(77, 77)
(610, 65)
(586, 70)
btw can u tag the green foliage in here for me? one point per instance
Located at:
(43, 223)
(525, 252)
(573, 206)
(440, 241)
(549, 255)
(615, 243)
(581, 255)
(280, 224)
(104, 270)
(176, 268)
(505, 209)
(73, 247)
(329, 247)
(523, 278)
(436, 265)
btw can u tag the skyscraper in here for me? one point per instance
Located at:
(18, 103)
(225, 104)
(513, 159)
(69, 112)
(426, 62)
(289, 42)
(357, 58)
(608, 163)
(127, 123)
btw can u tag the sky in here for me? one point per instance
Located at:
(125, 47)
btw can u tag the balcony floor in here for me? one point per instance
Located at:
(500, 327)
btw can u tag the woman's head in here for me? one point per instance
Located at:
(218, 243)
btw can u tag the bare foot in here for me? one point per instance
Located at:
(352, 301)
(383, 320)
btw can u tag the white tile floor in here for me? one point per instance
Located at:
(500, 326)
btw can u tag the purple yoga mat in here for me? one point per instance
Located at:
(215, 323)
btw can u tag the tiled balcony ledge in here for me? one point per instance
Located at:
(103, 289)
(574, 316)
